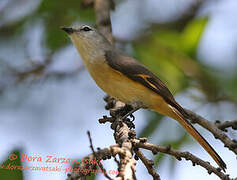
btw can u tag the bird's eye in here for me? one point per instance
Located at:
(86, 28)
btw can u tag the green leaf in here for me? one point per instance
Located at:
(10, 169)
(191, 35)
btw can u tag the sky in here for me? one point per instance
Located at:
(51, 118)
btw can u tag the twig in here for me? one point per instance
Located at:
(223, 126)
(91, 145)
(33, 74)
(210, 126)
(148, 164)
(116, 160)
(93, 150)
(180, 22)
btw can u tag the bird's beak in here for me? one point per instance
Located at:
(68, 30)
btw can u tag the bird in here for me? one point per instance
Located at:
(127, 80)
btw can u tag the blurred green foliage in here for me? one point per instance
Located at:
(10, 169)
(58, 13)
(164, 49)
(91, 177)
(231, 86)
(190, 37)
(152, 124)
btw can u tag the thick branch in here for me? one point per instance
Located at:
(122, 137)
(103, 22)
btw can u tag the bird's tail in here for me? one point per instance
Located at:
(196, 135)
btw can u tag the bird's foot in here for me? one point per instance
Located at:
(121, 111)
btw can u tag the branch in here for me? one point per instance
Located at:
(32, 74)
(210, 126)
(127, 138)
(179, 155)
